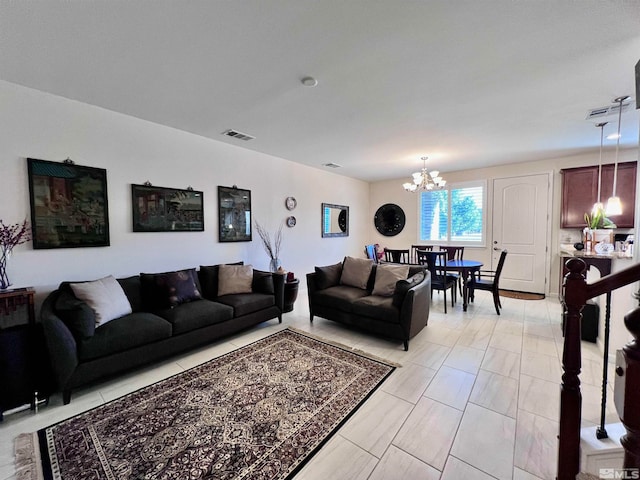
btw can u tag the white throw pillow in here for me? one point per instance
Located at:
(105, 297)
(356, 272)
(234, 279)
(386, 277)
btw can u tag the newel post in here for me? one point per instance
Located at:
(627, 393)
(574, 299)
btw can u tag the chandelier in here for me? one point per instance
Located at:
(424, 180)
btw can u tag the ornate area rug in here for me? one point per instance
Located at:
(259, 412)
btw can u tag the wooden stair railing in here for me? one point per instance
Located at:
(576, 292)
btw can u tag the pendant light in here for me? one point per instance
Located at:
(598, 206)
(614, 207)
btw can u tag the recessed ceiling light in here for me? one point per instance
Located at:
(309, 82)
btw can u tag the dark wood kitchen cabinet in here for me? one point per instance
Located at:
(580, 192)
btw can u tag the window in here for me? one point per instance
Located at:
(466, 222)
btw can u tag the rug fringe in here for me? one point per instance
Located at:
(346, 347)
(27, 453)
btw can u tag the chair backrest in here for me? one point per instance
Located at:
(436, 263)
(503, 256)
(370, 251)
(396, 255)
(453, 253)
(419, 248)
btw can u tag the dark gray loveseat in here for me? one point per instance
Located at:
(398, 313)
(81, 354)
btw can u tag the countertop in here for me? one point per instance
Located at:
(570, 251)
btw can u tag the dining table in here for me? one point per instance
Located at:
(466, 269)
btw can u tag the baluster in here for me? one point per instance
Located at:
(630, 414)
(570, 396)
(601, 431)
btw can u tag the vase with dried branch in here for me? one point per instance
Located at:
(10, 237)
(271, 246)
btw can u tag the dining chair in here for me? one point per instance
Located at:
(372, 254)
(489, 280)
(396, 255)
(436, 263)
(454, 253)
(416, 248)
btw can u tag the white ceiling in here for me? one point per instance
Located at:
(469, 83)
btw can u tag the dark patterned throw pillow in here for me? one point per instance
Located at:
(170, 289)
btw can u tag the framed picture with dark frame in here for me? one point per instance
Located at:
(161, 209)
(69, 206)
(234, 214)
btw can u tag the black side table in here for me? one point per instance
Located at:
(21, 349)
(290, 294)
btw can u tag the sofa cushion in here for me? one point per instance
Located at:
(124, 333)
(76, 315)
(356, 272)
(403, 286)
(262, 282)
(196, 314)
(245, 303)
(386, 277)
(132, 289)
(375, 306)
(208, 275)
(340, 297)
(105, 297)
(328, 276)
(234, 279)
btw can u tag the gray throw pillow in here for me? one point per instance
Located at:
(387, 276)
(403, 286)
(234, 279)
(356, 272)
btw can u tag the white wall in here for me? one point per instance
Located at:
(39, 125)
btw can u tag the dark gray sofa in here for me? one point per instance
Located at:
(399, 316)
(81, 354)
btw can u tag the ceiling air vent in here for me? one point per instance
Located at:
(238, 135)
(608, 110)
(331, 165)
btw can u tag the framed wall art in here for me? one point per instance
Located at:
(69, 205)
(161, 209)
(335, 220)
(234, 214)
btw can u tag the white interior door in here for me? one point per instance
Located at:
(520, 225)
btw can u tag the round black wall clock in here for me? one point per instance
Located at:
(389, 219)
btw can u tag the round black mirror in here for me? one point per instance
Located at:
(389, 219)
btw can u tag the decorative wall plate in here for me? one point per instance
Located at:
(290, 203)
(389, 219)
(291, 221)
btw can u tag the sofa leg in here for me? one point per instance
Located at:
(311, 317)
(406, 345)
(279, 318)
(66, 397)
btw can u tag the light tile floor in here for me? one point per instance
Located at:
(477, 396)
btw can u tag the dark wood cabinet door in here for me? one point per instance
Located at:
(580, 192)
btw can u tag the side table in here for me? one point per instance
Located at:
(290, 294)
(20, 349)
